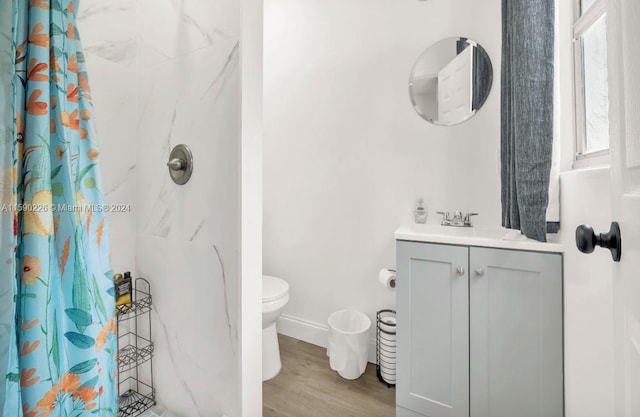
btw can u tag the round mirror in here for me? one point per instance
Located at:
(450, 81)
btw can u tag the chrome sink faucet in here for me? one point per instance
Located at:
(458, 219)
(446, 218)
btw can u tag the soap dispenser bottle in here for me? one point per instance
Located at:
(420, 213)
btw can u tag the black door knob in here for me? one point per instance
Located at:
(587, 240)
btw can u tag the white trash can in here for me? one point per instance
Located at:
(348, 342)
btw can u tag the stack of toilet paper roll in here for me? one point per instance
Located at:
(386, 333)
(387, 277)
(386, 345)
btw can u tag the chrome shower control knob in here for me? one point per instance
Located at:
(479, 272)
(176, 164)
(460, 271)
(180, 164)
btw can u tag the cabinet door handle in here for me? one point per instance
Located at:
(479, 272)
(460, 271)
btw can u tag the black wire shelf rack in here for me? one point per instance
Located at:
(135, 352)
(134, 402)
(140, 304)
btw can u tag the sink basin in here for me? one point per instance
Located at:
(497, 237)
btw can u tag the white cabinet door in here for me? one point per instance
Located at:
(432, 330)
(515, 334)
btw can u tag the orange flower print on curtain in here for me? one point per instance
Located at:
(62, 357)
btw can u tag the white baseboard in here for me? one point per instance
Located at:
(312, 332)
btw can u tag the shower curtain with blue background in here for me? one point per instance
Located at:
(57, 326)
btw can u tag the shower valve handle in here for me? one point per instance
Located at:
(180, 164)
(176, 164)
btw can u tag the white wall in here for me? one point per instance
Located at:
(164, 73)
(345, 154)
(250, 293)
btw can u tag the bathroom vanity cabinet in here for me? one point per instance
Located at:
(479, 332)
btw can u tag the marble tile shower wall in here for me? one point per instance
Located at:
(111, 59)
(166, 72)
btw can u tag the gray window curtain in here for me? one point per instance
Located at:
(527, 115)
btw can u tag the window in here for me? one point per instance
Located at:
(591, 89)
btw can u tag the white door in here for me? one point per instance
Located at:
(455, 94)
(624, 89)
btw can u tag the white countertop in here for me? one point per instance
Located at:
(476, 236)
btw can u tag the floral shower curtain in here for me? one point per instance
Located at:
(62, 352)
(7, 245)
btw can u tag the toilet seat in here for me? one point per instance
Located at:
(273, 288)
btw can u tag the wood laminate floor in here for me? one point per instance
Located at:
(307, 387)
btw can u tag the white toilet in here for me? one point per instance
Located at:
(275, 295)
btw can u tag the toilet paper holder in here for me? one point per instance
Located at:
(388, 278)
